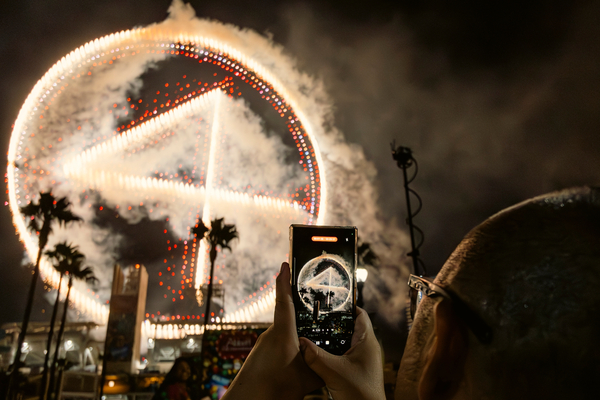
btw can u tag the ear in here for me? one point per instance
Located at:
(444, 368)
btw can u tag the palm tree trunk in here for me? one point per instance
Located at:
(29, 306)
(36, 273)
(44, 386)
(213, 257)
(61, 331)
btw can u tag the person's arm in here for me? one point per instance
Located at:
(274, 368)
(356, 375)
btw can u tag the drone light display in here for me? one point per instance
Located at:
(177, 126)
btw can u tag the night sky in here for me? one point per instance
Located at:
(499, 100)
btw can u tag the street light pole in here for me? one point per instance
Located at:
(405, 160)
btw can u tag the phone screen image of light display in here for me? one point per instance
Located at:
(323, 271)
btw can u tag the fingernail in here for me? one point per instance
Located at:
(283, 266)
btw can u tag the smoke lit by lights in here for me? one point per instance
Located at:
(95, 154)
(183, 120)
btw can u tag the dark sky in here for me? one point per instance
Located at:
(499, 100)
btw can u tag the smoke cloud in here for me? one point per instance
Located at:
(90, 108)
(497, 105)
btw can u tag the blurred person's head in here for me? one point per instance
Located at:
(182, 370)
(178, 376)
(532, 274)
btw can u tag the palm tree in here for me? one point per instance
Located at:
(61, 256)
(74, 269)
(41, 215)
(366, 255)
(220, 235)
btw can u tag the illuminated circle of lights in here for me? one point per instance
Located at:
(329, 276)
(26, 175)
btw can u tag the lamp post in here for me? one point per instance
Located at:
(405, 160)
(361, 277)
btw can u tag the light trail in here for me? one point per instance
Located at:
(209, 183)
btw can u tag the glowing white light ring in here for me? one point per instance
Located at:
(46, 85)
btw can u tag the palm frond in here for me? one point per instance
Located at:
(31, 210)
(46, 210)
(86, 274)
(34, 225)
(69, 260)
(366, 255)
(62, 213)
(222, 234)
(199, 230)
(47, 202)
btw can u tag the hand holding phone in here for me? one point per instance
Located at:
(356, 375)
(274, 368)
(323, 260)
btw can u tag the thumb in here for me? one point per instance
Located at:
(323, 363)
(285, 317)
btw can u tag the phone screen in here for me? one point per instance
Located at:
(323, 262)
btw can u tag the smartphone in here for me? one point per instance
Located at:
(323, 264)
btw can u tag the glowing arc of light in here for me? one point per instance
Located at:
(208, 185)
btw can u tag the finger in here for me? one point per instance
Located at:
(362, 325)
(364, 343)
(323, 363)
(284, 304)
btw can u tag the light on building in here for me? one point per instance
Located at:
(69, 345)
(191, 344)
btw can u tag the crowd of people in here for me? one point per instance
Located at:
(512, 314)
